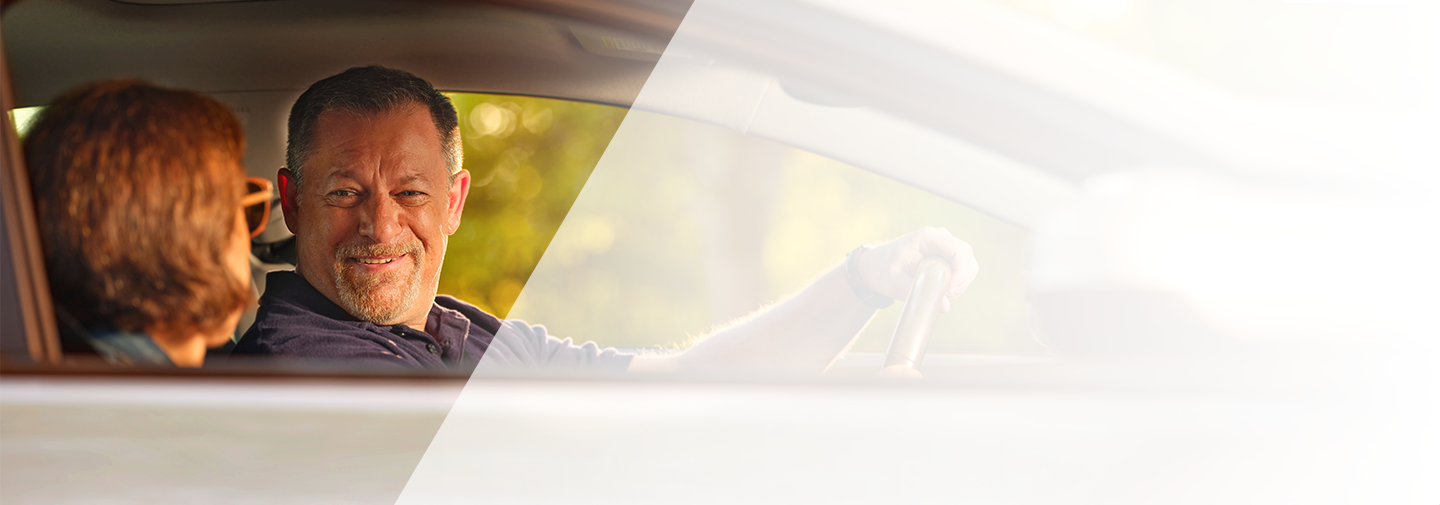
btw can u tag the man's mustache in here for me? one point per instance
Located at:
(360, 250)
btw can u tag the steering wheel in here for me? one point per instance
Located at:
(917, 318)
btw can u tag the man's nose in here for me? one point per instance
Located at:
(380, 219)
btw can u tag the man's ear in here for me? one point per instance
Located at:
(459, 189)
(289, 191)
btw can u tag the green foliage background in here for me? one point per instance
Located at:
(528, 158)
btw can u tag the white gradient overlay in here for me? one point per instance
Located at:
(1188, 293)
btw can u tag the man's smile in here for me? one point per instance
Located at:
(379, 258)
(376, 260)
(378, 264)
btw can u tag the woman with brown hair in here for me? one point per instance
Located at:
(145, 215)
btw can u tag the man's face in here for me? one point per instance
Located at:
(373, 214)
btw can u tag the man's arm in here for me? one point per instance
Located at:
(806, 332)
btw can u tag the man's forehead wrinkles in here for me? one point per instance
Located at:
(342, 163)
(405, 176)
(341, 173)
(355, 162)
(414, 178)
(353, 156)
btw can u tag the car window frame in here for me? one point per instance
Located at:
(26, 270)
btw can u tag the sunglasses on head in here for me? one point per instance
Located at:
(256, 204)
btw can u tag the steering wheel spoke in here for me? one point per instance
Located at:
(917, 318)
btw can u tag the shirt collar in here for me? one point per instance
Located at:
(451, 330)
(126, 348)
(447, 322)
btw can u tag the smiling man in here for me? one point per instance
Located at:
(373, 221)
(373, 190)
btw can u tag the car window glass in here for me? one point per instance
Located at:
(686, 227)
(528, 159)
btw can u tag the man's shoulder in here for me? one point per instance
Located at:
(281, 324)
(280, 315)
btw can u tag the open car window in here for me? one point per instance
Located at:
(686, 227)
(646, 242)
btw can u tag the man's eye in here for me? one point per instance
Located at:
(343, 197)
(411, 197)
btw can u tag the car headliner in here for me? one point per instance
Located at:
(286, 45)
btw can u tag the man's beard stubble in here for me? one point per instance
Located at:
(365, 295)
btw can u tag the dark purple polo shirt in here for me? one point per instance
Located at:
(296, 321)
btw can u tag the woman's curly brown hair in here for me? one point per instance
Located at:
(137, 189)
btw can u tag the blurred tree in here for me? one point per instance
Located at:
(528, 159)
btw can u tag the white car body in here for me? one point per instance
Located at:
(1257, 221)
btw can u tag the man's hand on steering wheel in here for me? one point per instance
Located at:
(889, 268)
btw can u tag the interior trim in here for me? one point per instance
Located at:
(27, 260)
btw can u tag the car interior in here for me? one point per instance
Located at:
(257, 57)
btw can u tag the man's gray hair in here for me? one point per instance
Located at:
(369, 91)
